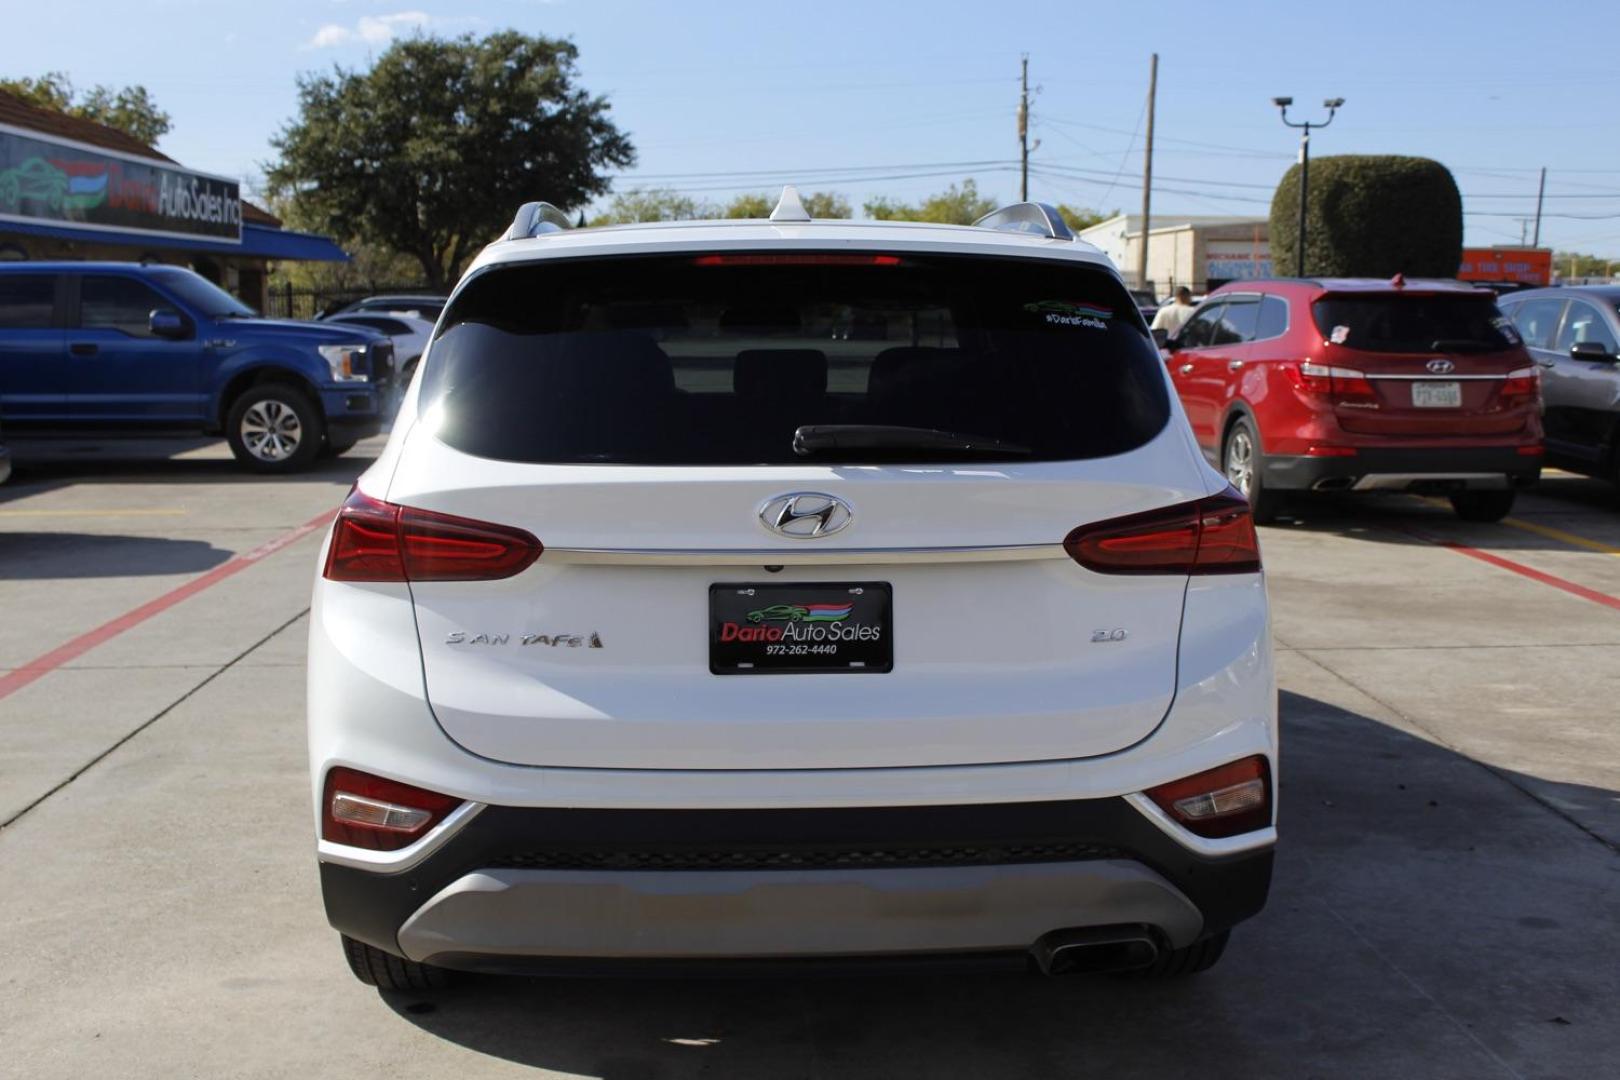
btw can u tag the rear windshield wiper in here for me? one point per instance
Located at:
(1464, 345)
(815, 438)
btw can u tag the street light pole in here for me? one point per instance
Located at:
(1332, 105)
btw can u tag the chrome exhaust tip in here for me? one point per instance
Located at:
(1095, 950)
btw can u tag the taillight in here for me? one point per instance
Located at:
(1214, 535)
(1521, 387)
(1224, 801)
(766, 259)
(374, 540)
(1345, 384)
(368, 811)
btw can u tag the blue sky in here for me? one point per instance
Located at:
(900, 99)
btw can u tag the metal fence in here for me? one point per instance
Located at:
(286, 302)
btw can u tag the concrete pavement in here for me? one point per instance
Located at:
(1446, 900)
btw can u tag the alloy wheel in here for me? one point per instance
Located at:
(1240, 461)
(271, 430)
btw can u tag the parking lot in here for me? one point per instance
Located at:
(1447, 898)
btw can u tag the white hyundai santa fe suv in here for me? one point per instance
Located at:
(790, 593)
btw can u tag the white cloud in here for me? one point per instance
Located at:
(370, 30)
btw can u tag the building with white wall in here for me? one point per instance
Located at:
(1200, 251)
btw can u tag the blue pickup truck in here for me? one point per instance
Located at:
(98, 349)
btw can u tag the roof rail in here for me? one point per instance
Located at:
(534, 218)
(1042, 219)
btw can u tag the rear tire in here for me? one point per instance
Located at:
(275, 428)
(1178, 963)
(1243, 465)
(1483, 505)
(386, 971)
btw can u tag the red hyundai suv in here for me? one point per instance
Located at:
(1361, 385)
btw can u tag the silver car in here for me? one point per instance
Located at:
(1574, 336)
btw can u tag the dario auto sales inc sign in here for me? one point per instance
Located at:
(45, 180)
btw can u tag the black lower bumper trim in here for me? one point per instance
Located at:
(1341, 473)
(371, 907)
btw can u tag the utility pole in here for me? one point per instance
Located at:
(1023, 132)
(1147, 175)
(1541, 192)
(1332, 106)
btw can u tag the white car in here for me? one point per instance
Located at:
(410, 333)
(672, 631)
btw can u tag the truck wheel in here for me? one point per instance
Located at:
(1175, 963)
(1242, 463)
(275, 428)
(1483, 505)
(385, 971)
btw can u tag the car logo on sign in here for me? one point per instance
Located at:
(1441, 367)
(806, 515)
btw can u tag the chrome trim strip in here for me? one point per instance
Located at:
(387, 862)
(1226, 845)
(799, 557)
(1436, 378)
(1376, 481)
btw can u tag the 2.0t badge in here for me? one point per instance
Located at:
(806, 515)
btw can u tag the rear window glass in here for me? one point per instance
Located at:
(720, 359)
(1415, 324)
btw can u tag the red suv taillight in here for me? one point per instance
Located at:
(1344, 384)
(368, 811)
(379, 541)
(1210, 536)
(1521, 387)
(1225, 801)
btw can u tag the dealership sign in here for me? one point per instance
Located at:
(45, 180)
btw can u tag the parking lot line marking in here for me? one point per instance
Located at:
(41, 666)
(92, 513)
(1541, 530)
(1563, 537)
(1522, 570)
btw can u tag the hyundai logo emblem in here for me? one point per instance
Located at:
(1441, 367)
(806, 515)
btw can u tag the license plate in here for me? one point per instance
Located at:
(1437, 395)
(801, 629)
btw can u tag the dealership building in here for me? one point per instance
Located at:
(74, 189)
(1200, 251)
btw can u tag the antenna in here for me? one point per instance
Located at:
(789, 208)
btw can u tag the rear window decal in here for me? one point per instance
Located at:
(1340, 335)
(1071, 313)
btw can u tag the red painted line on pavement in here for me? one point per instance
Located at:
(1522, 570)
(41, 666)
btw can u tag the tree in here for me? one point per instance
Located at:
(1573, 264)
(1370, 216)
(953, 206)
(130, 110)
(818, 204)
(654, 204)
(431, 152)
(1079, 217)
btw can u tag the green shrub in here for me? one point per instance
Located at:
(1370, 215)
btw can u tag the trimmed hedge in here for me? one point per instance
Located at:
(1370, 215)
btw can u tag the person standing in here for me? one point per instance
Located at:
(1173, 316)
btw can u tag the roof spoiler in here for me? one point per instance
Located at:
(534, 218)
(1041, 219)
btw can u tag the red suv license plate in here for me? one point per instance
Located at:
(1437, 395)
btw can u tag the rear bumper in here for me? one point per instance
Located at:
(1405, 469)
(589, 890)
